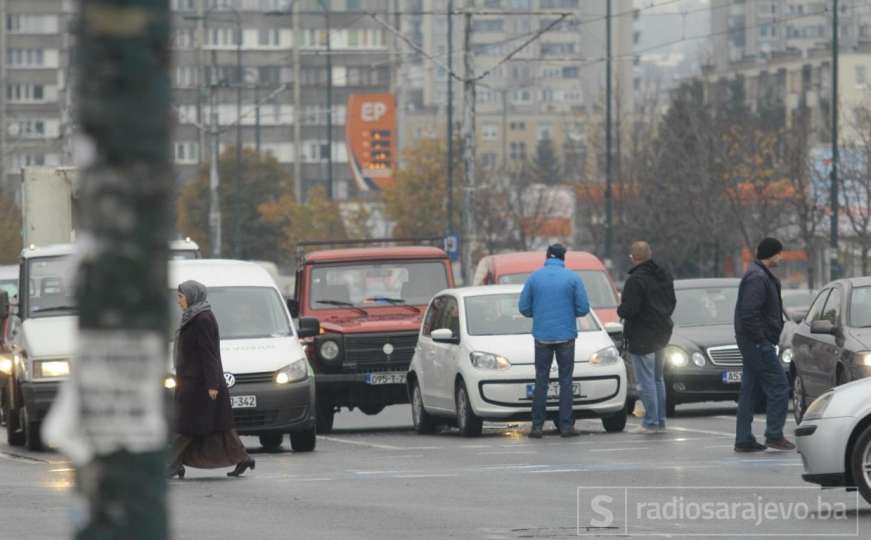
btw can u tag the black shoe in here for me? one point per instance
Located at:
(178, 472)
(568, 433)
(242, 466)
(750, 447)
(536, 433)
(780, 444)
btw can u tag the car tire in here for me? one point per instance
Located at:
(470, 424)
(616, 422)
(423, 422)
(32, 436)
(303, 441)
(14, 434)
(324, 417)
(860, 463)
(271, 442)
(799, 398)
(371, 410)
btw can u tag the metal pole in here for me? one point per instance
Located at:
(123, 97)
(297, 104)
(450, 127)
(834, 258)
(609, 210)
(201, 81)
(257, 120)
(330, 187)
(4, 154)
(468, 217)
(214, 175)
(238, 186)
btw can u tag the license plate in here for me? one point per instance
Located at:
(553, 390)
(243, 402)
(732, 377)
(385, 378)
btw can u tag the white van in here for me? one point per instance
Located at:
(272, 386)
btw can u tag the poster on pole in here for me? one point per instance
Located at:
(370, 131)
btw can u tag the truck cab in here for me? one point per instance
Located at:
(370, 302)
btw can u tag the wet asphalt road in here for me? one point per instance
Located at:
(374, 478)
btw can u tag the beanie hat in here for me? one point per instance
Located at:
(556, 251)
(769, 247)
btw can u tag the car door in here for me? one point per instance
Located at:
(444, 360)
(803, 341)
(426, 351)
(824, 349)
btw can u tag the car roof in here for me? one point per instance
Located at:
(183, 244)
(484, 290)
(375, 253)
(530, 261)
(54, 250)
(706, 283)
(863, 281)
(219, 273)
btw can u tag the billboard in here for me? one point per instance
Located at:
(370, 133)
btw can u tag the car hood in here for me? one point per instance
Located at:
(863, 336)
(393, 322)
(702, 337)
(520, 349)
(259, 355)
(47, 337)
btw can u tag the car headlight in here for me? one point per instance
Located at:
(45, 369)
(483, 360)
(5, 365)
(608, 355)
(329, 350)
(818, 407)
(698, 359)
(297, 371)
(169, 382)
(676, 356)
(863, 358)
(786, 356)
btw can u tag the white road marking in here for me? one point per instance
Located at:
(507, 453)
(22, 459)
(704, 431)
(619, 449)
(550, 471)
(361, 443)
(433, 475)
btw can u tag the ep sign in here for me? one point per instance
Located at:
(373, 111)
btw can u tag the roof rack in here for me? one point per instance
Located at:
(301, 246)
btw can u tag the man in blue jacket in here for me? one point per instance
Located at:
(554, 298)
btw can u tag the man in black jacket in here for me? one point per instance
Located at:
(646, 306)
(758, 323)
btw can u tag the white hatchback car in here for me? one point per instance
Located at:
(834, 438)
(475, 361)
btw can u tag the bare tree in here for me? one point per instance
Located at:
(855, 182)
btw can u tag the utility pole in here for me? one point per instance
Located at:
(214, 176)
(201, 76)
(834, 203)
(297, 104)
(469, 226)
(609, 203)
(4, 153)
(123, 88)
(238, 186)
(330, 186)
(256, 119)
(450, 127)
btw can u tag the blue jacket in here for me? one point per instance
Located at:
(554, 297)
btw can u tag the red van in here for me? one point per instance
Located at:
(516, 268)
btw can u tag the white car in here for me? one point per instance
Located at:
(475, 361)
(834, 438)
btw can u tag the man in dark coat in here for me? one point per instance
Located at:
(646, 306)
(758, 324)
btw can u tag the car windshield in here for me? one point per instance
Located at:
(598, 286)
(183, 254)
(51, 287)
(860, 307)
(243, 312)
(705, 307)
(10, 286)
(376, 284)
(498, 315)
(797, 299)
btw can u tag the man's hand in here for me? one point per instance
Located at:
(213, 394)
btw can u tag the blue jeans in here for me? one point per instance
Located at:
(762, 369)
(565, 360)
(648, 372)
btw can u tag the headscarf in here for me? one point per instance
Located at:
(195, 293)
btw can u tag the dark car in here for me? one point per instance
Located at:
(702, 361)
(832, 345)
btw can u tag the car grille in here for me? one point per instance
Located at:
(254, 418)
(365, 352)
(728, 355)
(243, 378)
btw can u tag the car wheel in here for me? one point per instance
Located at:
(860, 463)
(303, 441)
(670, 406)
(14, 434)
(470, 425)
(371, 410)
(325, 414)
(616, 422)
(32, 438)
(423, 422)
(271, 442)
(799, 398)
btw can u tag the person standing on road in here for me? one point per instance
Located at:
(554, 298)
(205, 436)
(646, 306)
(758, 324)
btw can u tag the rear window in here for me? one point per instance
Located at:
(598, 286)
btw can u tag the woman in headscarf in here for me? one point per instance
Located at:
(205, 435)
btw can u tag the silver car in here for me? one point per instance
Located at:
(834, 439)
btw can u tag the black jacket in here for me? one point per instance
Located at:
(646, 307)
(759, 311)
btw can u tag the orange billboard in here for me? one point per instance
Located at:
(370, 133)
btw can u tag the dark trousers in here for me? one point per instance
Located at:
(565, 359)
(762, 370)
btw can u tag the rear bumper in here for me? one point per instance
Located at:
(38, 398)
(280, 408)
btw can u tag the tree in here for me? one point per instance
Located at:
(318, 218)
(855, 183)
(263, 180)
(10, 231)
(546, 166)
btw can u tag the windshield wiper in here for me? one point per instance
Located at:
(395, 302)
(340, 303)
(54, 308)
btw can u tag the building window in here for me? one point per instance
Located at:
(517, 126)
(25, 92)
(544, 131)
(32, 24)
(490, 133)
(187, 152)
(860, 75)
(571, 72)
(268, 37)
(25, 57)
(517, 151)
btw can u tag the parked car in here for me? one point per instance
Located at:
(834, 439)
(184, 249)
(832, 345)
(272, 385)
(796, 303)
(475, 361)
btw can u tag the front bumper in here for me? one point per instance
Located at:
(38, 398)
(281, 408)
(823, 449)
(702, 384)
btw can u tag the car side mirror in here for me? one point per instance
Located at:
(309, 327)
(613, 328)
(293, 306)
(824, 327)
(443, 335)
